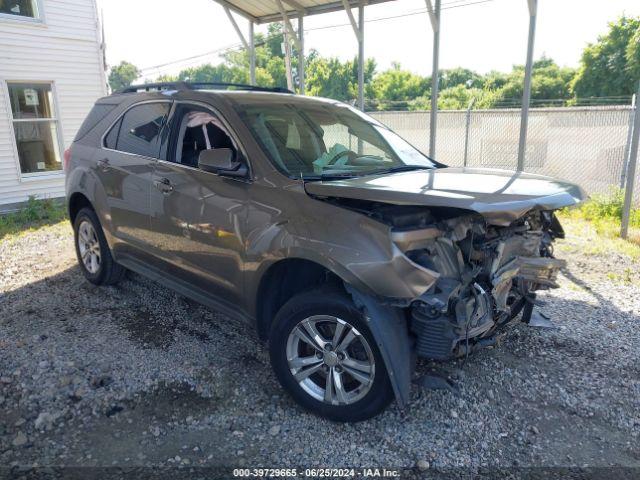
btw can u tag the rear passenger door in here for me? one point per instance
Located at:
(125, 166)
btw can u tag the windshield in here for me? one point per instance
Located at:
(322, 139)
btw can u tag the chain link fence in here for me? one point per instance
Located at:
(585, 145)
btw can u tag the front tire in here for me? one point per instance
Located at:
(92, 250)
(325, 356)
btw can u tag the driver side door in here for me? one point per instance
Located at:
(198, 217)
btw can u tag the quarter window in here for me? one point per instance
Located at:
(20, 8)
(36, 127)
(111, 140)
(139, 130)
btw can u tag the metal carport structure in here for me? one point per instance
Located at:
(267, 11)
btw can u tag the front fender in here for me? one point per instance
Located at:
(390, 331)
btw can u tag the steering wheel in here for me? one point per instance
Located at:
(337, 156)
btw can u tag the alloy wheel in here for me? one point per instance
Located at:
(89, 247)
(331, 360)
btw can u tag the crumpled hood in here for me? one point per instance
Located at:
(501, 196)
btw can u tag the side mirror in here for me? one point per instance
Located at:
(221, 162)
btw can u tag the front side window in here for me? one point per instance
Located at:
(324, 139)
(35, 126)
(20, 8)
(139, 130)
(199, 130)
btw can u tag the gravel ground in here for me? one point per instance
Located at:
(136, 375)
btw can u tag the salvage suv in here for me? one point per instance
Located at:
(350, 251)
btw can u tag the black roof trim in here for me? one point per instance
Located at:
(152, 87)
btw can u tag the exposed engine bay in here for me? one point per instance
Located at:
(486, 274)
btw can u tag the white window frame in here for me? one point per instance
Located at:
(31, 176)
(38, 19)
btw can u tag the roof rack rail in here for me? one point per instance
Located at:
(160, 86)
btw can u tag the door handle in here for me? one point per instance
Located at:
(164, 185)
(103, 164)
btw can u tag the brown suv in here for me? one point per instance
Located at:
(349, 250)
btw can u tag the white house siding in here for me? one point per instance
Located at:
(63, 49)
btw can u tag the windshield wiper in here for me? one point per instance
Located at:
(342, 176)
(330, 176)
(400, 168)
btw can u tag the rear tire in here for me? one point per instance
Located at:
(94, 256)
(350, 398)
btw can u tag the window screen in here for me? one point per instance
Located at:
(141, 127)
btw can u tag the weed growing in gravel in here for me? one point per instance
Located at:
(36, 213)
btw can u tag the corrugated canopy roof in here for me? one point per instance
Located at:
(265, 11)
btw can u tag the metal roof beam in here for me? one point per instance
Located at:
(249, 45)
(319, 9)
(238, 10)
(354, 24)
(287, 24)
(236, 28)
(435, 19)
(296, 6)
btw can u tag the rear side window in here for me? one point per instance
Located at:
(138, 131)
(97, 113)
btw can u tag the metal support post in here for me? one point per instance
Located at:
(301, 64)
(289, 32)
(434, 16)
(361, 57)
(631, 171)
(358, 30)
(252, 54)
(627, 145)
(467, 126)
(526, 96)
(287, 60)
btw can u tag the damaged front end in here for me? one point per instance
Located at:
(486, 273)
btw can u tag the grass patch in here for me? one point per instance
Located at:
(593, 228)
(604, 214)
(584, 237)
(35, 214)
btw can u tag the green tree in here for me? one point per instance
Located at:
(611, 66)
(548, 82)
(214, 73)
(395, 87)
(495, 80)
(122, 75)
(270, 65)
(458, 97)
(459, 76)
(274, 39)
(329, 77)
(166, 78)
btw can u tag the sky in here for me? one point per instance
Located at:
(481, 35)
